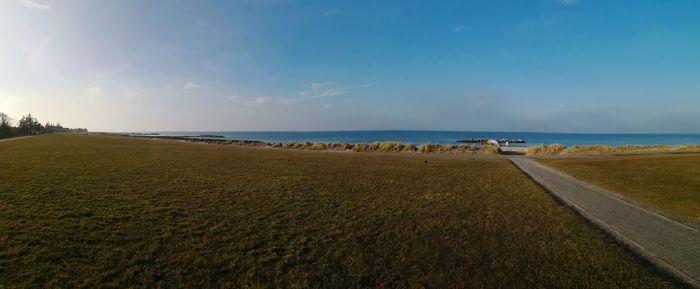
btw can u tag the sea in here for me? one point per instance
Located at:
(446, 137)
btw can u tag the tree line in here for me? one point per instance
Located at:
(28, 125)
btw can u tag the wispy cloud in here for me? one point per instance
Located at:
(235, 98)
(260, 101)
(459, 28)
(323, 89)
(253, 101)
(327, 89)
(191, 86)
(314, 91)
(33, 5)
(568, 2)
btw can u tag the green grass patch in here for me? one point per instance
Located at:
(111, 212)
(665, 182)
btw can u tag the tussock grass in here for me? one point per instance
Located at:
(553, 149)
(226, 142)
(425, 148)
(448, 149)
(108, 212)
(386, 147)
(339, 146)
(397, 147)
(665, 182)
(392, 147)
(558, 149)
(360, 147)
(489, 149)
(410, 148)
(628, 149)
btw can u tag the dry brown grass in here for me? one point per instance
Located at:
(558, 149)
(386, 146)
(455, 149)
(490, 149)
(397, 147)
(291, 145)
(105, 212)
(553, 149)
(628, 149)
(665, 182)
(391, 147)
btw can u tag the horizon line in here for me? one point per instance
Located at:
(406, 130)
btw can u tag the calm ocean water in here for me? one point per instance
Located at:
(450, 137)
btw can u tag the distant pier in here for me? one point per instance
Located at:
(484, 140)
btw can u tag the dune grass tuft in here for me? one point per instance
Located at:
(291, 145)
(628, 149)
(398, 147)
(360, 147)
(489, 149)
(454, 149)
(391, 146)
(558, 149)
(386, 146)
(552, 149)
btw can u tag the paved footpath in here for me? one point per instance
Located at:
(672, 246)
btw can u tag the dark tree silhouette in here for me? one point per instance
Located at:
(5, 125)
(28, 125)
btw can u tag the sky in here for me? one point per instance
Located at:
(244, 65)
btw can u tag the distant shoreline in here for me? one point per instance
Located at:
(441, 137)
(387, 146)
(427, 148)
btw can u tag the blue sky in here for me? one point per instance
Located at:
(540, 65)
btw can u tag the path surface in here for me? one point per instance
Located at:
(672, 246)
(13, 138)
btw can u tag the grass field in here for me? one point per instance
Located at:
(670, 183)
(107, 212)
(558, 149)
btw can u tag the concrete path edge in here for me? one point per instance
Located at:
(629, 245)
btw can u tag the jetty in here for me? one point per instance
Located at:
(202, 136)
(205, 136)
(485, 140)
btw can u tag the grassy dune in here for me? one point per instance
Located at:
(553, 149)
(393, 147)
(109, 212)
(628, 149)
(667, 182)
(382, 147)
(558, 149)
